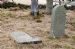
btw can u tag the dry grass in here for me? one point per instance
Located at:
(20, 20)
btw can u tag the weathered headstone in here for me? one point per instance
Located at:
(34, 7)
(21, 37)
(58, 21)
(49, 6)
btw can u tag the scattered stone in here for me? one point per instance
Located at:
(24, 38)
(58, 21)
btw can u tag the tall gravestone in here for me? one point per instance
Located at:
(58, 21)
(49, 6)
(34, 7)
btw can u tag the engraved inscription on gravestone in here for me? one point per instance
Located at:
(58, 21)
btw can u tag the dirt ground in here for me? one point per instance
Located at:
(21, 21)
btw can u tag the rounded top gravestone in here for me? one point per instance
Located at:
(58, 20)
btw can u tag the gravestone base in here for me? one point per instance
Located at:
(58, 21)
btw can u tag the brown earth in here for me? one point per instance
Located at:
(22, 21)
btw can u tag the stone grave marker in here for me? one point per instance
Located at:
(34, 7)
(58, 21)
(24, 38)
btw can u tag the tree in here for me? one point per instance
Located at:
(49, 6)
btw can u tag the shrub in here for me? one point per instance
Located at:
(9, 4)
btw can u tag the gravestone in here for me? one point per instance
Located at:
(34, 7)
(21, 37)
(58, 21)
